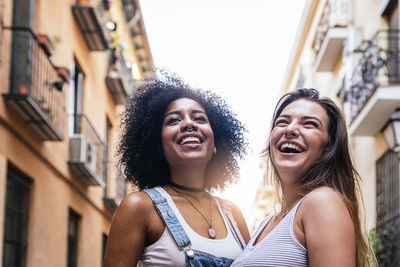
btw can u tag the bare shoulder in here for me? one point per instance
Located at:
(136, 201)
(324, 207)
(133, 204)
(328, 231)
(128, 232)
(137, 198)
(238, 216)
(231, 206)
(322, 201)
(227, 203)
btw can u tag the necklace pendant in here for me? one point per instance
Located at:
(212, 233)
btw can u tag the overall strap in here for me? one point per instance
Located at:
(233, 225)
(169, 218)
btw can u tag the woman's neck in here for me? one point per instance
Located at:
(188, 177)
(290, 195)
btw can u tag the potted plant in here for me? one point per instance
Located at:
(82, 2)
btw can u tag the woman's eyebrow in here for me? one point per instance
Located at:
(177, 112)
(198, 111)
(312, 118)
(302, 118)
(284, 116)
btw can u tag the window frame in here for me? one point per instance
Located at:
(18, 211)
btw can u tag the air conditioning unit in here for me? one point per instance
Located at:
(83, 156)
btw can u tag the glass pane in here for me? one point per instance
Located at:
(73, 224)
(16, 221)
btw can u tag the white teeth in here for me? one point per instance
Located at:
(190, 139)
(292, 146)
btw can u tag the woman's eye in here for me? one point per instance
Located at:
(281, 122)
(172, 120)
(312, 123)
(200, 118)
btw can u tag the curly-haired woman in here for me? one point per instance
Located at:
(178, 145)
(309, 160)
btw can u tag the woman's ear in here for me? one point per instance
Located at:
(215, 150)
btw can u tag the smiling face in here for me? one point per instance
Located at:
(187, 137)
(298, 139)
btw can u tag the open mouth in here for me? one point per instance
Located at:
(190, 140)
(290, 148)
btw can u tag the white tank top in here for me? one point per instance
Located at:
(165, 251)
(280, 247)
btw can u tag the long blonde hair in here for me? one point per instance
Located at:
(334, 169)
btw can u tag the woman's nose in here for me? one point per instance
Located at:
(291, 130)
(188, 125)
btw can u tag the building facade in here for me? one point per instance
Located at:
(263, 205)
(66, 68)
(349, 51)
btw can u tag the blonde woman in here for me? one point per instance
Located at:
(319, 222)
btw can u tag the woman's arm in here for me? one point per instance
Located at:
(128, 231)
(328, 229)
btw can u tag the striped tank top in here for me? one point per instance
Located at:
(279, 247)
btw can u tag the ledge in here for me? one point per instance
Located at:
(376, 112)
(331, 49)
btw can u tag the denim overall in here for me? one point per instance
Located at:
(193, 258)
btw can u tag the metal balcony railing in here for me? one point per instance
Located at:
(36, 86)
(130, 8)
(92, 17)
(379, 65)
(335, 14)
(87, 151)
(119, 80)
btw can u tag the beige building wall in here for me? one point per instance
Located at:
(56, 188)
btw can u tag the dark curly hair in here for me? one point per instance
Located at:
(140, 148)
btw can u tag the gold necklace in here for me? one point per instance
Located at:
(211, 231)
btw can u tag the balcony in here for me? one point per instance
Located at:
(119, 79)
(36, 85)
(116, 192)
(374, 91)
(330, 34)
(130, 9)
(86, 155)
(92, 17)
(139, 38)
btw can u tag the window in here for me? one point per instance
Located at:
(388, 209)
(73, 231)
(392, 14)
(16, 220)
(76, 99)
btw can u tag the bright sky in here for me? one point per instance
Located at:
(236, 48)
